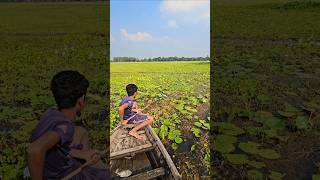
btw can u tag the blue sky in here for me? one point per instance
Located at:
(153, 28)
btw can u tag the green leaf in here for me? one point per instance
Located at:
(310, 106)
(174, 146)
(264, 99)
(260, 115)
(206, 125)
(268, 120)
(171, 135)
(301, 122)
(163, 131)
(177, 132)
(206, 158)
(286, 114)
(292, 109)
(224, 143)
(249, 147)
(275, 123)
(190, 109)
(228, 128)
(244, 114)
(237, 159)
(196, 131)
(193, 147)
(167, 122)
(254, 174)
(256, 164)
(276, 175)
(197, 124)
(156, 130)
(268, 154)
(178, 140)
(253, 131)
(271, 133)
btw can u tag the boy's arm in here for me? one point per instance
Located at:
(135, 108)
(135, 105)
(36, 153)
(121, 112)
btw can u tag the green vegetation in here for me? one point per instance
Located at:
(37, 41)
(178, 94)
(265, 89)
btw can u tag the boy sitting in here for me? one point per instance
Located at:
(130, 113)
(57, 144)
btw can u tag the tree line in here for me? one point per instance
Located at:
(134, 59)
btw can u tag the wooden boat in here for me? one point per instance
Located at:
(140, 159)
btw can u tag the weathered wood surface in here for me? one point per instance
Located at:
(120, 140)
(125, 149)
(147, 175)
(166, 155)
(128, 135)
(137, 164)
(131, 151)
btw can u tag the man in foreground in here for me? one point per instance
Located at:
(59, 147)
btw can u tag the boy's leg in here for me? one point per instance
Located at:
(134, 132)
(124, 122)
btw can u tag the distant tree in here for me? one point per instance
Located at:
(158, 59)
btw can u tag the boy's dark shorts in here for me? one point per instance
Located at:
(137, 118)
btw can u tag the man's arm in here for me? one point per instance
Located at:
(36, 153)
(121, 113)
(84, 154)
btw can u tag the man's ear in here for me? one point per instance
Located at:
(81, 101)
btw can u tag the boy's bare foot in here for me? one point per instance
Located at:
(124, 122)
(136, 135)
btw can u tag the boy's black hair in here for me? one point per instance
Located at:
(131, 89)
(67, 87)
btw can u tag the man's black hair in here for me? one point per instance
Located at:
(67, 87)
(131, 89)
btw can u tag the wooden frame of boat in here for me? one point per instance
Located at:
(148, 158)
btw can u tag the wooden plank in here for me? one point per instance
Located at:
(148, 175)
(119, 126)
(132, 151)
(164, 152)
(140, 163)
(128, 126)
(137, 164)
(127, 134)
(115, 132)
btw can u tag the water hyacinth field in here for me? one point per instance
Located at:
(266, 89)
(178, 97)
(35, 46)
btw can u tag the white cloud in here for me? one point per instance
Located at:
(172, 24)
(187, 10)
(138, 36)
(176, 6)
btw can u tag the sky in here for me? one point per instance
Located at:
(153, 28)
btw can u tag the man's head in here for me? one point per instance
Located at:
(69, 89)
(131, 89)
